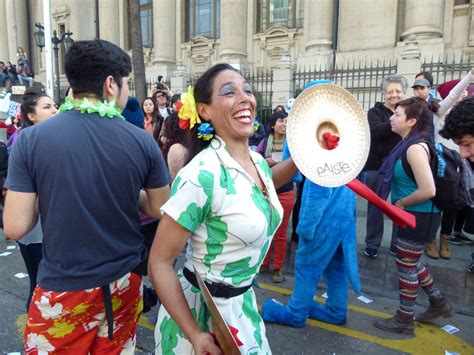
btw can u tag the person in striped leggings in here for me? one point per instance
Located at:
(411, 120)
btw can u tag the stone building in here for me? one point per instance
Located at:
(183, 38)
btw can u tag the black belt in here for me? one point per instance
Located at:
(109, 313)
(215, 289)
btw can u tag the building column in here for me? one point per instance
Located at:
(4, 33)
(109, 21)
(423, 18)
(233, 31)
(318, 28)
(17, 27)
(164, 42)
(180, 76)
(164, 39)
(318, 25)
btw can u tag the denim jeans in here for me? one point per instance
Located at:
(375, 223)
(27, 78)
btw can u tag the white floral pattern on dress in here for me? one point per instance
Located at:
(40, 343)
(48, 311)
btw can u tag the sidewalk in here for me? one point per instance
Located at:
(379, 276)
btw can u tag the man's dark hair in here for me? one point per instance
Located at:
(460, 120)
(2, 62)
(89, 63)
(427, 76)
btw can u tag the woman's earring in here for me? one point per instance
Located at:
(205, 131)
(256, 124)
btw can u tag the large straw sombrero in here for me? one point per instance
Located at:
(328, 108)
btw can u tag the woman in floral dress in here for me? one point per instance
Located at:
(224, 205)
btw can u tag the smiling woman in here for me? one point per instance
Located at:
(224, 205)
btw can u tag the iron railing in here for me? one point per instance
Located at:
(361, 79)
(445, 69)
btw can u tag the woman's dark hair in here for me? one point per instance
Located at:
(89, 63)
(155, 106)
(273, 120)
(427, 76)
(203, 94)
(279, 108)
(173, 134)
(417, 108)
(175, 98)
(157, 118)
(29, 101)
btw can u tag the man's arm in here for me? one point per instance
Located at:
(20, 214)
(151, 200)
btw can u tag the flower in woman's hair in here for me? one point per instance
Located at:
(256, 125)
(205, 131)
(188, 115)
(178, 105)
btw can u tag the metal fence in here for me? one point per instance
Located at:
(445, 69)
(361, 79)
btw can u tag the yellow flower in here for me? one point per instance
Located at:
(188, 110)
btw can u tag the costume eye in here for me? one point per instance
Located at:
(248, 89)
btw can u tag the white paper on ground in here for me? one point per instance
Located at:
(450, 329)
(324, 295)
(14, 353)
(5, 253)
(10, 247)
(21, 275)
(447, 352)
(365, 299)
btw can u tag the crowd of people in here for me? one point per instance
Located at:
(16, 74)
(105, 190)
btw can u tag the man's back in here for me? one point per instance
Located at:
(87, 172)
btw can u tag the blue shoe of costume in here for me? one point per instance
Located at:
(275, 312)
(324, 314)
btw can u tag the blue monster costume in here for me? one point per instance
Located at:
(327, 248)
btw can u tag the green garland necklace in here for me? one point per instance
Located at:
(105, 108)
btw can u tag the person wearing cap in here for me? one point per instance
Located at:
(383, 140)
(421, 90)
(427, 75)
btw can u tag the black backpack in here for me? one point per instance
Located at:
(3, 157)
(450, 177)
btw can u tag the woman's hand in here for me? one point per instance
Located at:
(204, 344)
(399, 204)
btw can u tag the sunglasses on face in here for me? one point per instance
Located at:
(161, 95)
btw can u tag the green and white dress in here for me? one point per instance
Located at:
(232, 224)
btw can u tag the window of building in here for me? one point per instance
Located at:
(146, 17)
(287, 13)
(461, 2)
(202, 18)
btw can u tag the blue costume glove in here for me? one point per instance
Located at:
(286, 155)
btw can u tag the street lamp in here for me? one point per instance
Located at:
(65, 39)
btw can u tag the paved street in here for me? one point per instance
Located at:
(357, 336)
